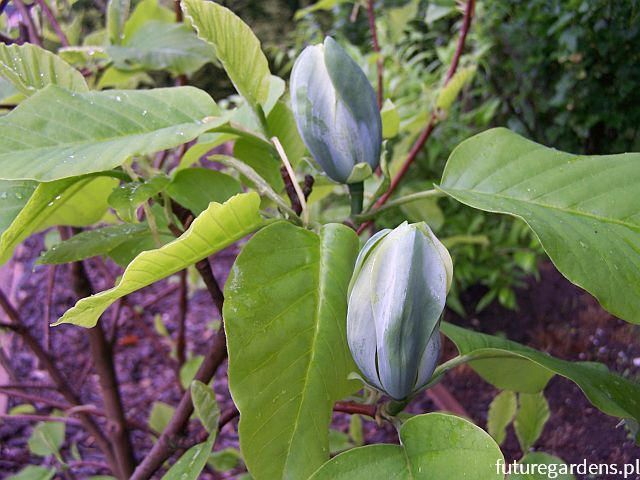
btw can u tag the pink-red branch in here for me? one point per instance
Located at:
(428, 130)
(376, 48)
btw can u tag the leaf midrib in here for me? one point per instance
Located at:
(592, 216)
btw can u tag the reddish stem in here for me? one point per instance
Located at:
(426, 133)
(54, 23)
(356, 408)
(376, 49)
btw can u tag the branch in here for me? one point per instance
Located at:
(376, 49)
(169, 440)
(183, 305)
(103, 362)
(54, 23)
(356, 408)
(426, 133)
(28, 21)
(59, 380)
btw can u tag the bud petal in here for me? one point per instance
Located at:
(396, 298)
(336, 112)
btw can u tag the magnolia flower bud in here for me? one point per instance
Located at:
(336, 112)
(396, 296)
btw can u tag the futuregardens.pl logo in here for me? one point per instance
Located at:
(554, 470)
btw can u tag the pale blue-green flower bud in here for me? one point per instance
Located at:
(396, 297)
(336, 112)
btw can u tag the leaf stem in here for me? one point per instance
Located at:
(262, 186)
(356, 193)
(412, 197)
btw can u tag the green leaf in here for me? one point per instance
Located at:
(195, 188)
(14, 195)
(236, 46)
(501, 412)
(34, 473)
(91, 243)
(189, 369)
(189, 466)
(74, 201)
(205, 406)
(390, 119)
(46, 438)
(22, 408)
(225, 460)
(160, 416)
(57, 134)
(30, 68)
(128, 197)
(214, 229)
(533, 413)
(434, 446)
(584, 209)
(159, 45)
(117, 13)
(553, 467)
(511, 366)
(289, 360)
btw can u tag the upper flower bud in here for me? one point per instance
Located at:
(336, 112)
(396, 296)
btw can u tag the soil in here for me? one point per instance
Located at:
(554, 316)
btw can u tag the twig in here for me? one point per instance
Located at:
(39, 418)
(356, 408)
(60, 381)
(292, 177)
(412, 197)
(376, 49)
(54, 23)
(260, 183)
(102, 357)
(47, 305)
(178, 10)
(26, 386)
(183, 305)
(28, 22)
(227, 416)
(161, 295)
(426, 133)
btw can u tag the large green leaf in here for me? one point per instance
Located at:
(435, 446)
(31, 68)
(194, 188)
(146, 11)
(57, 134)
(584, 209)
(74, 201)
(285, 314)
(507, 365)
(236, 46)
(158, 45)
(214, 229)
